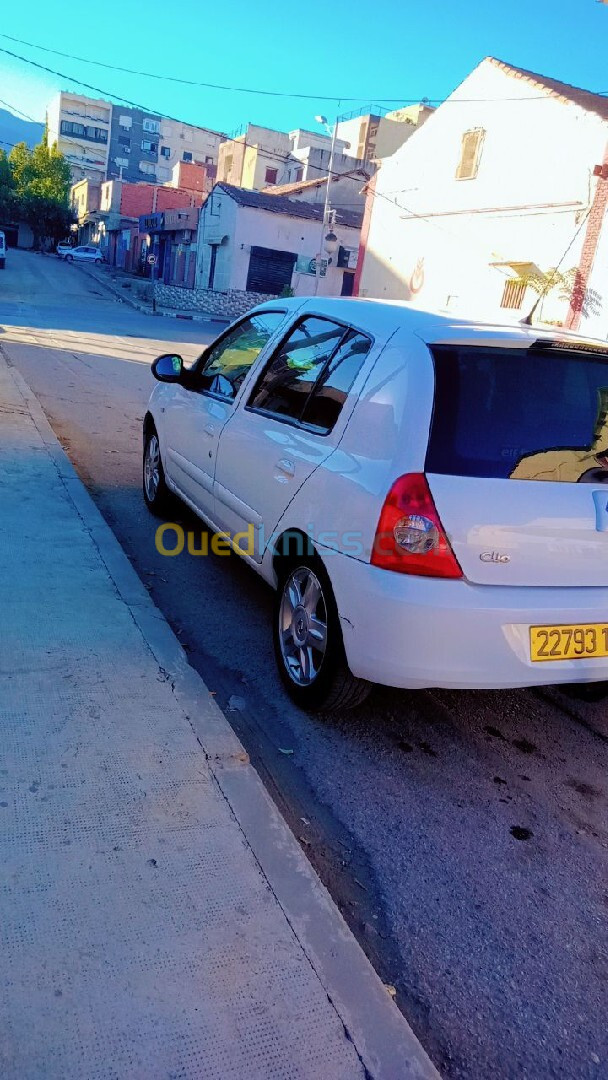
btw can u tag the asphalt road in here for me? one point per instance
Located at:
(464, 835)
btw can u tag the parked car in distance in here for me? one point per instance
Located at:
(84, 253)
(427, 496)
(2, 251)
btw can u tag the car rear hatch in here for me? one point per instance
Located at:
(517, 461)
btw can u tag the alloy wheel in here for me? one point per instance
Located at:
(303, 626)
(152, 467)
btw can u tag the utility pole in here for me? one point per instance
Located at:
(323, 120)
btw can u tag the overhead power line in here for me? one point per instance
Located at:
(257, 90)
(192, 82)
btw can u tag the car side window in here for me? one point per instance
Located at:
(225, 364)
(333, 386)
(308, 378)
(294, 368)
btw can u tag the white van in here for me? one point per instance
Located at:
(2, 250)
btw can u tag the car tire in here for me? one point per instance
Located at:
(69, 258)
(2, 264)
(315, 675)
(156, 493)
(97, 262)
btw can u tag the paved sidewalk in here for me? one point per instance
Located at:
(157, 917)
(123, 286)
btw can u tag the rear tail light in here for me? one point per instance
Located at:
(410, 537)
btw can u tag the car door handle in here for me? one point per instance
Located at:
(286, 466)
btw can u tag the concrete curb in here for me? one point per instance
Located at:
(143, 308)
(382, 1037)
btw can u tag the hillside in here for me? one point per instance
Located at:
(13, 130)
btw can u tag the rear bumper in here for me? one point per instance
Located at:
(415, 632)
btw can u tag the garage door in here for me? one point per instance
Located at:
(269, 271)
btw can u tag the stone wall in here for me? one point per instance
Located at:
(231, 303)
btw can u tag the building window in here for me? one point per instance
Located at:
(470, 154)
(124, 140)
(153, 126)
(121, 162)
(151, 147)
(271, 176)
(513, 294)
(147, 167)
(187, 155)
(228, 164)
(125, 121)
(91, 134)
(165, 151)
(298, 175)
(208, 161)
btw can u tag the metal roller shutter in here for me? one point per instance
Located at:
(269, 271)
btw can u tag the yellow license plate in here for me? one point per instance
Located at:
(574, 642)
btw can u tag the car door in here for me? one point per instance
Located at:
(286, 428)
(197, 409)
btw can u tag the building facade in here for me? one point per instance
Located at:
(121, 207)
(347, 191)
(81, 128)
(170, 237)
(262, 243)
(145, 146)
(85, 197)
(483, 200)
(254, 159)
(376, 135)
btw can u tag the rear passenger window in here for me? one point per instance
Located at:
(325, 403)
(309, 377)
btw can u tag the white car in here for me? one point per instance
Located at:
(84, 253)
(427, 496)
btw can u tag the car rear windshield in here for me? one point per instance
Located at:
(539, 413)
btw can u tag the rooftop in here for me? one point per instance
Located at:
(281, 204)
(585, 99)
(319, 181)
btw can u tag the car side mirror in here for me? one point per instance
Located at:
(168, 368)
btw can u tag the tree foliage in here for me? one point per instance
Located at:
(35, 188)
(568, 285)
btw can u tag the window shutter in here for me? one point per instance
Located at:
(469, 154)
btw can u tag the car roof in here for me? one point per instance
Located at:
(383, 317)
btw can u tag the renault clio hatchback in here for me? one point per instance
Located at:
(429, 498)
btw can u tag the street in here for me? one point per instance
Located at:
(464, 836)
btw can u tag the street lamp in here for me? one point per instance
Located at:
(324, 239)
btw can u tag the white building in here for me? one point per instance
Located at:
(256, 242)
(80, 126)
(378, 134)
(347, 191)
(504, 181)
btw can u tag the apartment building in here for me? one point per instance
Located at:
(104, 141)
(146, 146)
(378, 134)
(260, 157)
(255, 158)
(81, 127)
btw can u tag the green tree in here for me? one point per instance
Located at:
(7, 190)
(566, 282)
(42, 180)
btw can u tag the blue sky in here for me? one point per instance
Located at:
(401, 49)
